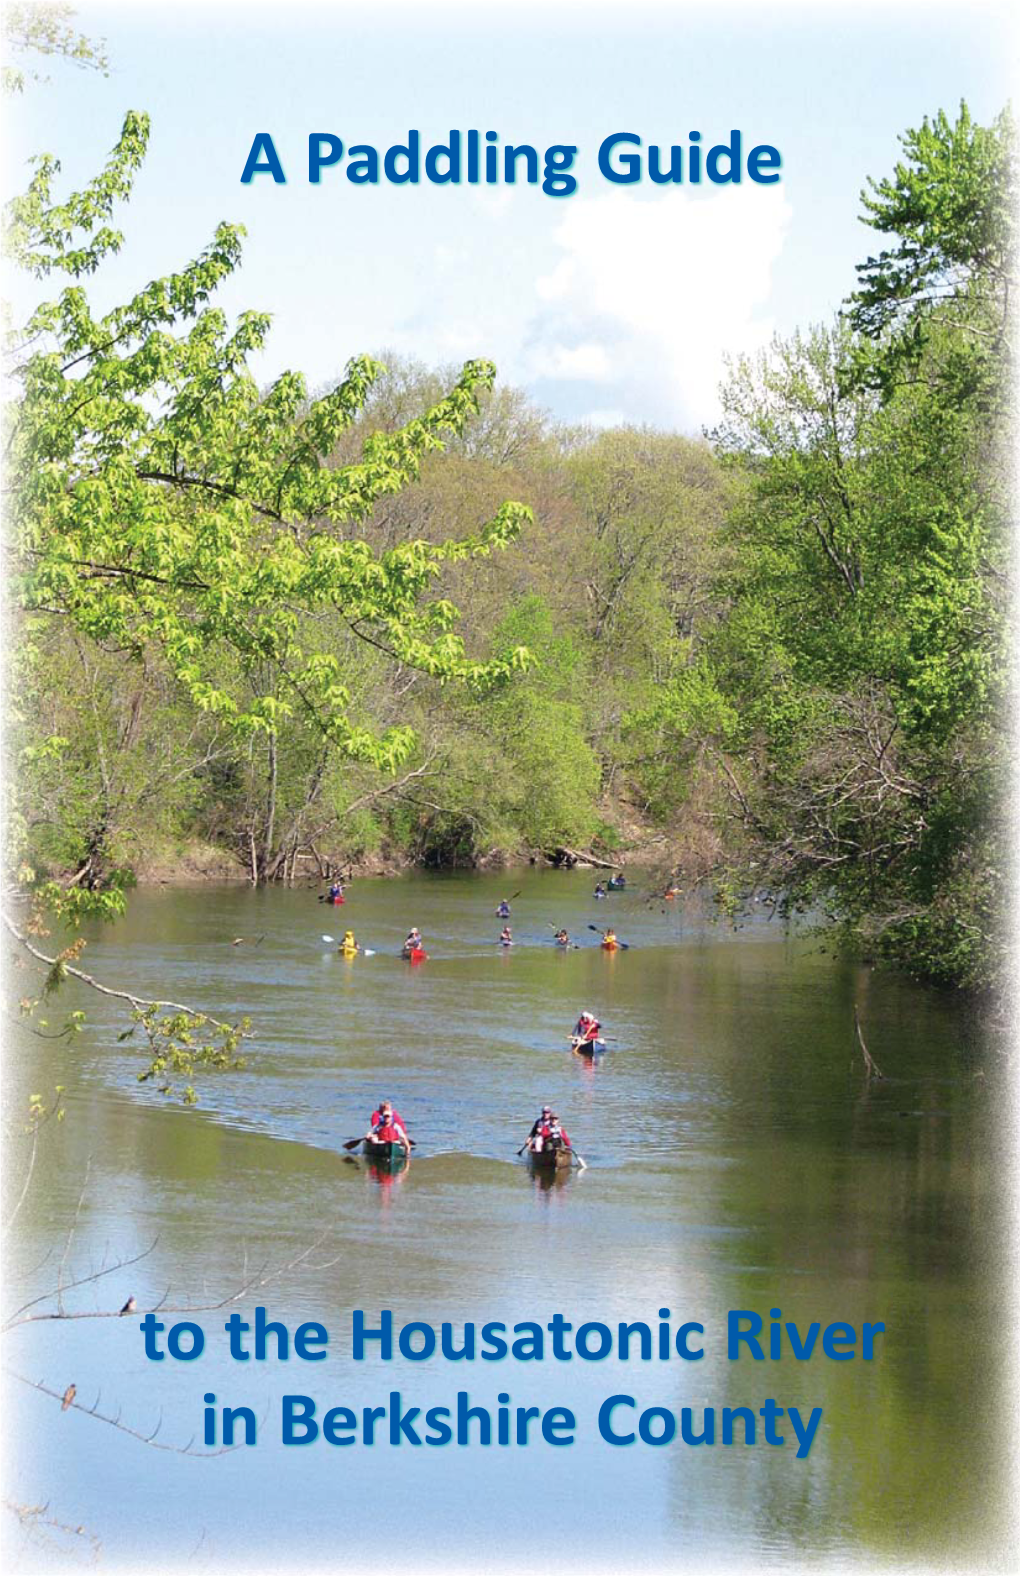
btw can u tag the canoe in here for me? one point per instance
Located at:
(551, 1159)
(589, 1047)
(385, 1154)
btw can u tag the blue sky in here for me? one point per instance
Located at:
(612, 304)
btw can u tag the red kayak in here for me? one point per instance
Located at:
(416, 955)
(335, 901)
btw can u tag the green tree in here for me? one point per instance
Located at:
(165, 508)
(864, 655)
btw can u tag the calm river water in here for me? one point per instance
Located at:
(737, 1159)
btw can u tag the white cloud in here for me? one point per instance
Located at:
(668, 284)
(588, 362)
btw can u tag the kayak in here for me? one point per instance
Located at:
(610, 946)
(348, 952)
(384, 1154)
(416, 955)
(551, 1159)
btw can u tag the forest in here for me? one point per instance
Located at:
(409, 618)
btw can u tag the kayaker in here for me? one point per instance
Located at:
(562, 939)
(387, 1127)
(413, 942)
(600, 890)
(609, 940)
(503, 911)
(505, 937)
(335, 891)
(348, 945)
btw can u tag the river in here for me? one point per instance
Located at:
(737, 1158)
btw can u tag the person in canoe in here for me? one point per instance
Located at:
(562, 939)
(387, 1127)
(413, 943)
(600, 890)
(506, 937)
(617, 883)
(542, 1120)
(349, 946)
(503, 911)
(586, 1030)
(609, 941)
(336, 892)
(550, 1135)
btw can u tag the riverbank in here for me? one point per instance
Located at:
(195, 862)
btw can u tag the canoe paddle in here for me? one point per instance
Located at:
(623, 945)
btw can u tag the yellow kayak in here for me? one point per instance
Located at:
(348, 952)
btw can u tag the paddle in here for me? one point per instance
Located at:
(582, 1164)
(623, 945)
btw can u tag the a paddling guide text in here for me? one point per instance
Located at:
(746, 1336)
(482, 159)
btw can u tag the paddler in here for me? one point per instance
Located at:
(562, 939)
(335, 891)
(609, 940)
(586, 1029)
(505, 937)
(534, 1138)
(550, 1135)
(386, 1127)
(348, 945)
(503, 911)
(600, 890)
(413, 942)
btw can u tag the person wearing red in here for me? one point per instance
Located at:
(552, 1135)
(387, 1127)
(586, 1029)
